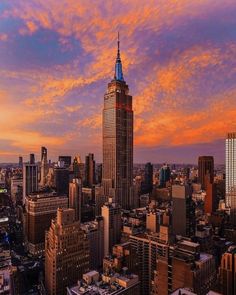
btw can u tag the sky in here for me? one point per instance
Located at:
(179, 60)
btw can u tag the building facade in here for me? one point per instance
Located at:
(118, 139)
(205, 166)
(66, 253)
(230, 187)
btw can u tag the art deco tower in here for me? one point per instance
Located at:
(118, 139)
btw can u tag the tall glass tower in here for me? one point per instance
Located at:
(230, 188)
(118, 139)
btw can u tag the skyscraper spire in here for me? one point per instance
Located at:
(118, 65)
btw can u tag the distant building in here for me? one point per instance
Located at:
(30, 178)
(20, 162)
(230, 186)
(66, 253)
(66, 160)
(147, 184)
(164, 175)
(75, 197)
(183, 211)
(205, 166)
(111, 213)
(44, 166)
(40, 209)
(61, 180)
(89, 170)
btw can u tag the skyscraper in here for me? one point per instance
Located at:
(89, 170)
(20, 161)
(30, 177)
(118, 139)
(164, 175)
(230, 188)
(66, 253)
(205, 166)
(147, 184)
(75, 197)
(44, 166)
(112, 225)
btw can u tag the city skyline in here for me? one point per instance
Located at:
(55, 68)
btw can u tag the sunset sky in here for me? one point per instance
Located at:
(57, 56)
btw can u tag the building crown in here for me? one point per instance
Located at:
(118, 66)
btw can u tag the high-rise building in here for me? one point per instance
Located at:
(98, 173)
(228, 272)
(111, 214)
(32, 159)
(210, 203)
(61, 180)
(66, 253)
(164, 175)
(205, 166)
(118, 139)
(89, 170)
(20, 162)
(147, 184)
(44, 166)
(40, 209)
(66, 160)
(183, 211)
(230, 185)
(30, 178)
(75, 197)
(94, 231)
(184, 266)
(147, 249)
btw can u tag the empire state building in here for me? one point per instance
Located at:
(118, 139)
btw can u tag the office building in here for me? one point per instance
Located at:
(205, 166)
(184, 266)
(183, 211)
(32, 159)
(40, 209)
(30, 178)
(20, 162)
(61, 180)
(94, 231)
(164, 175)
(44, 166)
(111, 213)
(89, 170)
(228, 272)
(66, 253)
(146, 250)
(75, 197)
(230, 184)
(210, 203)
(147, 184)
(118, 139)
(66, 160)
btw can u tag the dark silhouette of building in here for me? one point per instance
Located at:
(205, 166)
(20, 162)
(147, 184)
(89, 170)
(118, 139)
(32, 159)
(183, 211)
(164, 175)
(61, 180)
(98, 173)
(66, 160)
